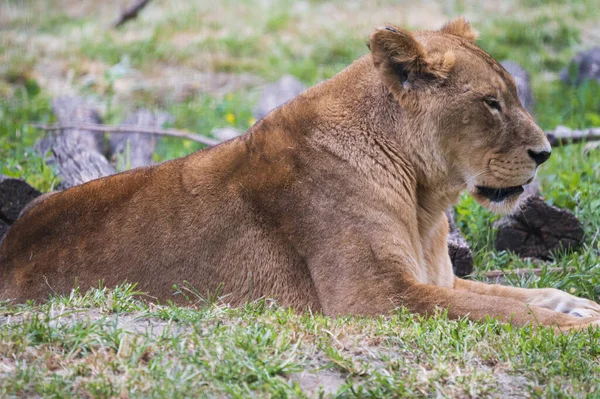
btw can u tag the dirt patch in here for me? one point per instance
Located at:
(312, 383)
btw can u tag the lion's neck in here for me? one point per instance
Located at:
(354, 117)
(358, 119)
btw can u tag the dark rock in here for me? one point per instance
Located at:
(3, 229)
(458, 249)
(278, 93)
(522, 81)
(584, 66)
(538, 229)
(14, 195)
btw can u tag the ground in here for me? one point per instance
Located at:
(205, 63)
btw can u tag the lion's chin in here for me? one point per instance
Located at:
(499, 200)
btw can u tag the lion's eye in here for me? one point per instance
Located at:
(493, 103)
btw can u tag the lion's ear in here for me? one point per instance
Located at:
(403, 62)
(460, 27)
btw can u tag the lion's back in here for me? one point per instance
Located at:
(185, 220)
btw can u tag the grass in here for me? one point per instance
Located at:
(109, 343)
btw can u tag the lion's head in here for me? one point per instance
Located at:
(475, 132)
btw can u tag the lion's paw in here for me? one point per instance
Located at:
(560, 301)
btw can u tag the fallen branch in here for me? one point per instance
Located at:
(536, 271)
(130, 12)
(93, 127)
(560, 135)
(565, 135)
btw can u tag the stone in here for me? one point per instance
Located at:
(14, 195)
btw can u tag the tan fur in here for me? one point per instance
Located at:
(333, 202)
(460, 27)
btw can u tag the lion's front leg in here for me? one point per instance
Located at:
(548, 298)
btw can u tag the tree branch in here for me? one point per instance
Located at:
(130, 12)
(565, 135)
(93, 127)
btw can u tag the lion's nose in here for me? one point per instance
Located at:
(539, 157)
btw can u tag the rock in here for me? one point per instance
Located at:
(278, 93)
(3, 229)
(458, 249)
(523, 83)
(584, 66)
(226, 133)
(538, 229)
(14, 195)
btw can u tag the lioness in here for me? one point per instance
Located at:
(334, 201)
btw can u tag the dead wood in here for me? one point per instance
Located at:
(76, 151)
(133, 150)
(130, 12)
(539, 229)
(95, 127)
(564, 135)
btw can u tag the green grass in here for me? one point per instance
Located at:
(139, 53)
(109, 343)
(17, 155)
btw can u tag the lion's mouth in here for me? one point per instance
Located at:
(499, 194)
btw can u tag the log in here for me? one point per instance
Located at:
(538, 229)
(458, 249)
(76, 109)
(133, 150)
(590, 147)
(564, 135)
(77, 152)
